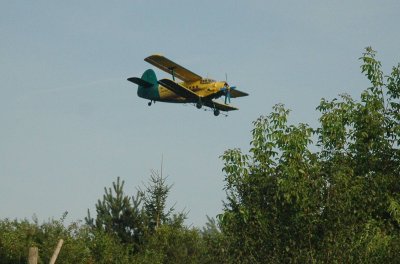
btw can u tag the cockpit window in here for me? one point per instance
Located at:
(206, 81)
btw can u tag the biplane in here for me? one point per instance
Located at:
(192, 89)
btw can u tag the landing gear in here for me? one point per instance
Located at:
(216, 112)
(199, 105)
(149, 103)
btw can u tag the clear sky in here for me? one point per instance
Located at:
(70, 123)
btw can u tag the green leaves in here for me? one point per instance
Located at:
(119, 214)
(372, 67)
(270, 190)
(286, 203)
(155, 198)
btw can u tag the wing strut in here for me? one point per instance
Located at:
(173, 73)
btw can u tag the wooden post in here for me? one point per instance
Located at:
(56, 252)
(33, 255)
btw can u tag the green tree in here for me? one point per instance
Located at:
(120, 215)
(172, 244)
(81, 243)
(214, 243)
(168, 239)
(143, 224)
(286, 203)
(15, 239)
(155, 197)
(273, 202)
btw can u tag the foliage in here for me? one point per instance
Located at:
(124, 231)
(15, 239)
(172, 245)
(143, 224)
(214, 244)
(286, 203)
(79, 245)
(155, 203)
(119, 215)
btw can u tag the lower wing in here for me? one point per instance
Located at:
(178, 89)
(220, 106)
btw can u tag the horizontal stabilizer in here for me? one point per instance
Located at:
(140, 82)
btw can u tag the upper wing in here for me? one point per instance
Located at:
(178, 89)
(171, 67)
(220, 106)
(236, 93)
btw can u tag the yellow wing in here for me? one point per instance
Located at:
(172, 68)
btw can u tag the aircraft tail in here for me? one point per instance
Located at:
(148, 85)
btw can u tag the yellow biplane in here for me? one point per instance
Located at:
(193, 88)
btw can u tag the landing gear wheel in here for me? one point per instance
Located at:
(149, 103)
(199, 105)
(216, 112)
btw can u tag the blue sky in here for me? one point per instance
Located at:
(70, 123)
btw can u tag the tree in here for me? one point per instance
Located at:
(125, 230)
(168, 239)
(215, 243)
(142, 223)
(272, 203)
(81, 245)
(286, 203)
(120, 215)
(155, 197)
